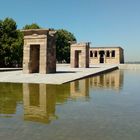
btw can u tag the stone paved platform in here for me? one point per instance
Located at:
(63, 75)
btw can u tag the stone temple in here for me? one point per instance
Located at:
(82, 55)
(106, 55)
(39, 52)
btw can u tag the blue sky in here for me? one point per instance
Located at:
(102, 22)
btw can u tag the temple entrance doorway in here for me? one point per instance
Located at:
(77, 58)
(102, 53)
(34, 58)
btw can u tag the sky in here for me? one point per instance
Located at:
(101, 22)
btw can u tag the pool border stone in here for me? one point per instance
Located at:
(64, 74)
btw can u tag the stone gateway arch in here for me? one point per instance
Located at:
(39, 52)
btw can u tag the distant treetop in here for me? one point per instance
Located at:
(31, 26)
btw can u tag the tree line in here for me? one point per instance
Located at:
(11, 43)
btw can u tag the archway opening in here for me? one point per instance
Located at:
(77, 58)
(34, 58)
(102, 53)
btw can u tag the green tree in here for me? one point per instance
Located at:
(1, 49)
(63, 39)
(11, 42)
(31, 26)
(17, 49)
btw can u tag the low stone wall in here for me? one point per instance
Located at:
(129, 66)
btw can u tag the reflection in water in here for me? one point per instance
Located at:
(40, 100)
(107, 116)
(112, 80)
(10, 96)
(79, 88)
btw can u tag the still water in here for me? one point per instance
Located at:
(105, 107)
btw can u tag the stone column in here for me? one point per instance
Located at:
(42, 66)
(26, 58)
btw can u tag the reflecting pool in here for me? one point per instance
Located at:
(105, 107)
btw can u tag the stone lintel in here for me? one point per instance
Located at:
(106, 47)
(80, 44)
(35, 36)
(38, 32)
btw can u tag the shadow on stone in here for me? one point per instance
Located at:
(65, 72)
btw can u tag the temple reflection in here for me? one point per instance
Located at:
(39, 102)
(112, 80)
(79, 88)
